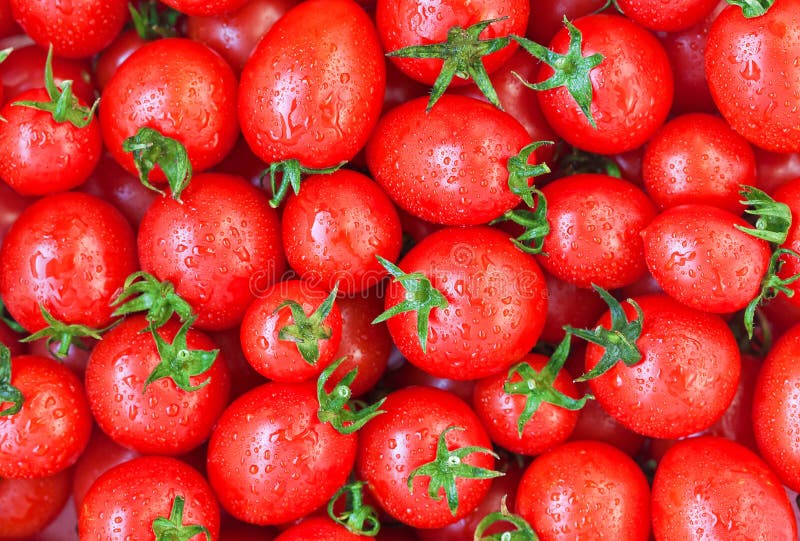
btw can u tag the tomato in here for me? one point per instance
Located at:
(496, 304)
(8, 26)
(698, 257)
(29, 505)
(101, 455)
(442, 169)
(595, 230)
(776, 168)
(713, 488)
(312, 90)
(698, 158)
(334, 228)
(126, 500)
(753, 74)
(270, 459)
(418, 421)
(52, 427)
(112, 57)
(671, 17)
(11, 206)
(789, 194)
(547, 16)
(179, 87)
(315, 528)
(205, 8)
(216, 247)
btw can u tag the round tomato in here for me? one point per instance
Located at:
(666, 17)
(29, 505)
(101, 455)
(316, 528)
(205, 7)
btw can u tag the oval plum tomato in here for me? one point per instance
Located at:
(69, 253)
(179, 87)
(686, 378)
(789, 194)
(271, 460)
(65, 154)
(313, 88)
(712, 488)
(213, 246)
(698, 257)
(442, 169)
(101, 455)
(284, 345)
(29, 505)
(317, 528)
(666, 16)
(585, 490)
(52, 426)
(205, 8)
(698, 158)
(631, 89)
(334, 228)
(77, 29)
(753, 74)
(421, 424)
(775, 405)
(495, 302)
(595, 230)
(132, 499)
(165, 416)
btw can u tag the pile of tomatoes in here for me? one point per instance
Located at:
(399, 270)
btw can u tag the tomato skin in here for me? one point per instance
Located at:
(101, 455)
(83, 250)
(585, 490)
(699, 258)
(53, 427)
(547, 16)
(172, 85)
(686, 379)
(568, 304)
(595, 227)
(631, 89)
(667, 17)
(393, 444)
(112, 57)
(29, 505)
(312, 89)
(271, 461)
(334, 228)
(442, 169)
(789, 194)
(497, 303)
(594, 423)
(124, 501)
(753, 74)
(214, 246)
(712, 488)
(316, 528)
(65, 154)
(206, 8)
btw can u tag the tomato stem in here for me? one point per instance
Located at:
(8, 393)
(173, 529)
(178, 362)
(158, 299)
(774, 218)
(752, 8)
(535, 224)
(520, 171)
(522, 532)
(771, 286)
(336, 408)
(65, 335)
(152, 22)
(307, 331)
(291, 175)
(150, 148)
(358, 517)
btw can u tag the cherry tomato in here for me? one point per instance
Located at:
(29, 505)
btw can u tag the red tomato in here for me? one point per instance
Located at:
(29, 505)
(667, 17)
(776, 168)
(205, 8)
(594, 423)
(317, 528)
(11, 206)
(568, 304)
(713, 488)
(547, 16)
(101, 455)
(112, 57)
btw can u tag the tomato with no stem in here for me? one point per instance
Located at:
(316, 528)
(205, 8)
(101, 455)
(666, 16)
(29, 505)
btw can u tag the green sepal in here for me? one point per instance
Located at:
(463, 53)
(771, 286)
(522, 532)
(307, 331)
(335, 407)
(774, 218)
(535, 224)
(65, 335)
(150, 148)
(359, 518)
(752, 8)
(151, 23)
(178, 362)
(6, 318)
(447, 466)
(571, 70)
(538, 387)
(173, 529)
(421, 297)
(8, 393)
(158, 299)
(291, 175)
(619, 341)
(520, 172)
(63, 104)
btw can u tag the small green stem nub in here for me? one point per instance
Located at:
(173, 529)
(752, 8)
(773, 218)
(158, 299)
(291, 175)
(771, 286)
(8, 393)
(65, 335)
(150, 148)
(535, 224)
(522, 530)
(178, 362)
(336, 407)
(358, 517)
(308, 331)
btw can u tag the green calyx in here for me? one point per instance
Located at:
(291, 174)
(359, 518)
(151, 23)
(150, 148)
(178, 362)
(8, 393)
(752, 8)
(63, 104)
(336, 408)
(447, 467)
(771, 286)
(421, 297)
(158, 299)
(619, 342)
(773, 218)
(571, 70)
(538, 387)
(463, 53)
(520, 172)
(535, 224)
(64, 334)
(307, 331)
(173, 529)
(522, 530)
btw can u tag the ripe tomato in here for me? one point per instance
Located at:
(101, 455)
(29, 505)
(316, 528)
(112, 57)
(666, 17)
